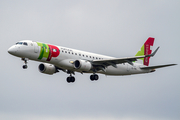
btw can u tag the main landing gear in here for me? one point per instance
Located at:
(94, 77)
(25, 61)
(70, 79)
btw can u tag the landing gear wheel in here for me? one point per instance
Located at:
(25, 66)
(70, 79)
(94, 77)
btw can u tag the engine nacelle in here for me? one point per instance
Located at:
(82, 65)
(47, 68)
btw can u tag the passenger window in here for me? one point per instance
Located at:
(75, 53)
(79, 54)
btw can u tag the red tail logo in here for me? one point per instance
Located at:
(148, 49)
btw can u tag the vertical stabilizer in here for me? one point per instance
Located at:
(146, 49)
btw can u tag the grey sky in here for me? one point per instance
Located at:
(116, 28)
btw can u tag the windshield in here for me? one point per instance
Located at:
(22, 43)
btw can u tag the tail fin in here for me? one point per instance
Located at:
(146, 49)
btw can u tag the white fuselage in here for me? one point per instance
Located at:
(64, 57)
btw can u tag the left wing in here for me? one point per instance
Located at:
(157, 66)
(115, 61)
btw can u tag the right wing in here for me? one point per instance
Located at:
(115, 61)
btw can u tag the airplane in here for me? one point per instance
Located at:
(55, 58)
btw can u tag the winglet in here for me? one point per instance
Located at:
(151, 55)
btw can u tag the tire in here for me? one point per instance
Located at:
(92, 77)
(68, 79)
(72, 79)
(96, 77)
(24, 66)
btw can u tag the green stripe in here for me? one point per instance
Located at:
(42, 51)
(46, 50)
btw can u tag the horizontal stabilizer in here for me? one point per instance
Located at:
(158, 66)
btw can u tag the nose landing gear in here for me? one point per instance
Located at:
(25, 61)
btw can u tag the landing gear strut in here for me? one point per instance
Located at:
(94, 77)
(25, 61)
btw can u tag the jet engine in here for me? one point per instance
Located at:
(82, 65)
(47, 68)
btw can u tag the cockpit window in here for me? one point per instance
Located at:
(25, 43)
(22, 43)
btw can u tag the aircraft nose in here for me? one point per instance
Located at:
(12, 50)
